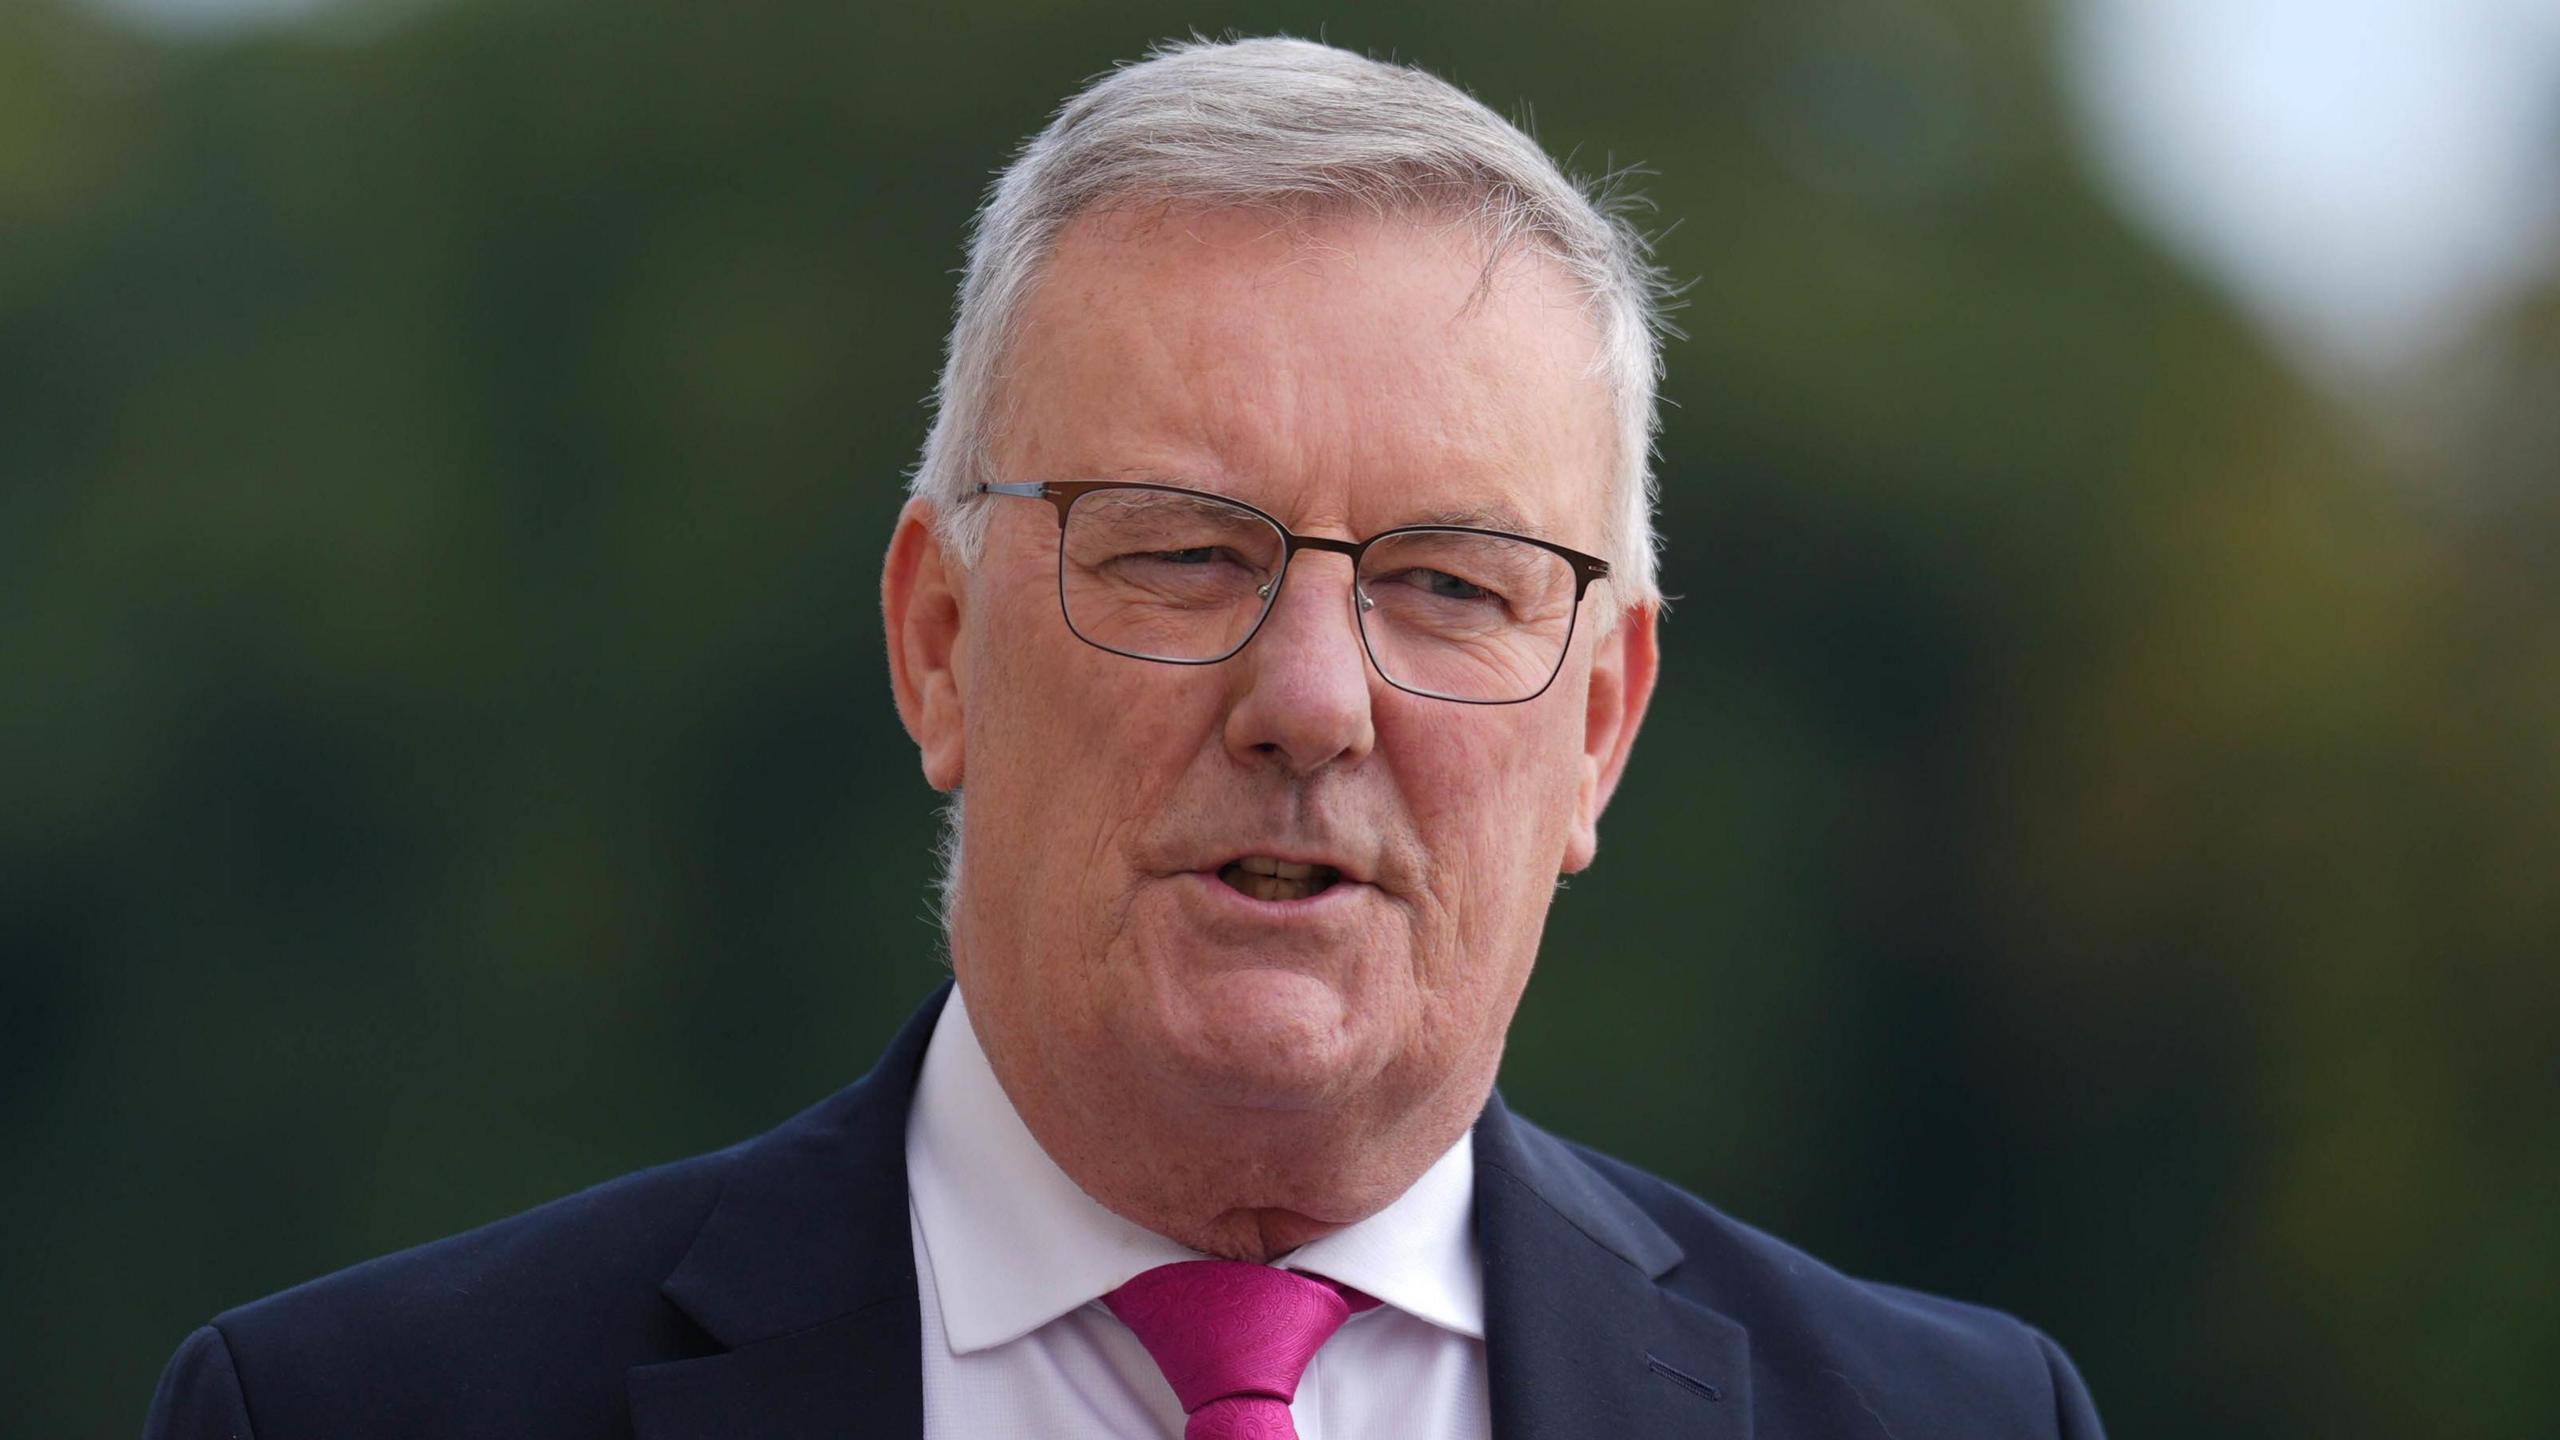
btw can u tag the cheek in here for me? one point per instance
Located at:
(1049, 725)
(1073, 751)
(1501, 792)
(1494, 805)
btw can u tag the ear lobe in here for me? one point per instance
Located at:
(922, 599)
(1623, 665)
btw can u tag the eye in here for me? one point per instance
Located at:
(1448, 586)
(1441, 585)
(1182, 557)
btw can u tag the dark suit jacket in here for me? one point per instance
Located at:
(769, 1290)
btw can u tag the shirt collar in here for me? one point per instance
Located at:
(1014, 1244)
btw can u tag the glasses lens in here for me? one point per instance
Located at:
(1465, 616)
(1165, 576)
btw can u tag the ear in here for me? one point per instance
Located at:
(1622, 673)
(922, 597)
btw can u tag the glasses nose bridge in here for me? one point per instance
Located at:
(1327, 544)
(1292, 544)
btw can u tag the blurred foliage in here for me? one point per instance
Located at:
(2092, 853)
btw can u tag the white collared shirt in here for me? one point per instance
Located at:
(1012, 1261)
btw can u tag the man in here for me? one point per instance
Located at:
(1278, 587)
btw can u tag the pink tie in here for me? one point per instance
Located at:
(1233, 1338)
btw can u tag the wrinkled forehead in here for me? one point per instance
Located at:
(1348, 368)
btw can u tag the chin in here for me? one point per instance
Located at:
(1264, 1038)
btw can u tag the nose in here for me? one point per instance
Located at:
(1302, 685)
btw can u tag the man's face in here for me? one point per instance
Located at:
(1346, 376)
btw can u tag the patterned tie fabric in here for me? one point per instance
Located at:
(1233, 1338)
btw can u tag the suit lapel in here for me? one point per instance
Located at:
(805, 1271)
(858, 1375)
(1579, 1339)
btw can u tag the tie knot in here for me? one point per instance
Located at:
(1224, 1328)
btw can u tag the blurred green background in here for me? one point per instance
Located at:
(2093, 852)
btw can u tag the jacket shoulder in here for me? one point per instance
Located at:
(1829, 1350)
(527, 1325)
(533, 1325)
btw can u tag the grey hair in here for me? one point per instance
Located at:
(1299, 126)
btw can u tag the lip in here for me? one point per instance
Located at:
(1345, 872)
(1331, 900)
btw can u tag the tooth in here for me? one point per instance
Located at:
(1260, 865)
(1288, 870)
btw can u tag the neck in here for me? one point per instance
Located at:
(1260, 1236)
(1236, 1182)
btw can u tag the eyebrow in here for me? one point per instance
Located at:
(1491, 515)
(1480, 515)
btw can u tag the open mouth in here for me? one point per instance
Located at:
(1264, 878)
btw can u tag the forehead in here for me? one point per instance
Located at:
(1354, 370)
